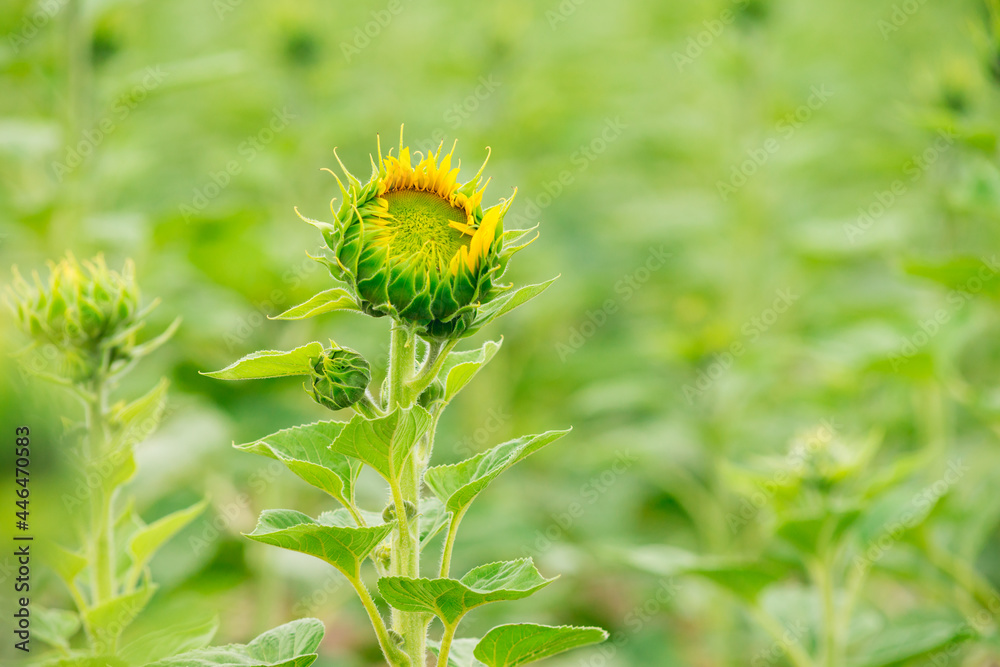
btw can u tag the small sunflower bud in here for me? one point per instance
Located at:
(433, 393)
(389, 513)
(383, 557)
(340, 378)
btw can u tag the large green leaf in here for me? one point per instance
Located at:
(460, 367)
(344, 548)
(324, 302)
(291, 645)
(271, 364)
(305, 450)
(513, 645)
(450, 599)
(458, 484)
(148, 539)
(55, 627)
(912, 636)
(187, 633)
(384, 443)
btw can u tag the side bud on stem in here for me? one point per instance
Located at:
(340, 377)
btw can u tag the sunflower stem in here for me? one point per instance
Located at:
(405, 547)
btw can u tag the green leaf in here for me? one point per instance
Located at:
(433, 518)
(513, 645)
(458, 484)
(291, 645)
(305, 450)
(967, 274)
(451, 599)
(324, 302)
(744, 578)
(461, 653)
(344, 548)
(138, 420)
(384, 443)
(109, 619)
(506, 303)
(912, 636)
(182, 634)
(55, 627)
(65, 563)
(148, 539)
(271, 364)
(461, 367)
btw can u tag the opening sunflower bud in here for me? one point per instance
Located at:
(340, 378)
(416, 244)
(86, 310)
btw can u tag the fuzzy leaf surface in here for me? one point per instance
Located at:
(291, 645)
(458, 484)
(324, 302)
(451, 599)
(344, 548)
(384, 443)
(271, 364)
(461, 367)
(519, 644)
(305, 450)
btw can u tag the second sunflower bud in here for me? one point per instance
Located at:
(339, 379)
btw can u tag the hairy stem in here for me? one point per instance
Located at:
(446, 639)
(449, 542)
(101, 522)
(406, 547)
(101, 538)
(395, 657)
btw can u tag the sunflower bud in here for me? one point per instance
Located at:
(86, 311)
(389, 513)
(415, 244)
(434, 392)
(340, 378)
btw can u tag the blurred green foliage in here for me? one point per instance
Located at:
(769, 216)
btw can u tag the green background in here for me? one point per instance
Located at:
(758, 210)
